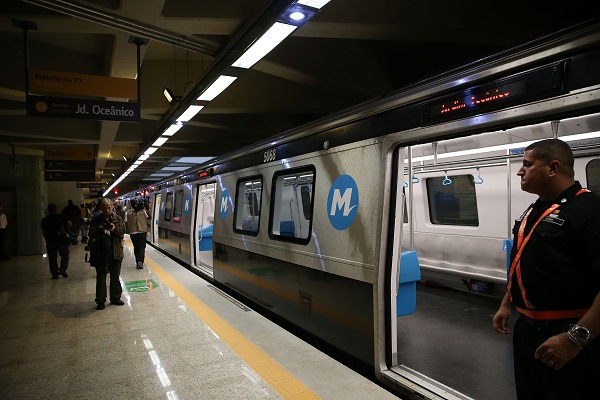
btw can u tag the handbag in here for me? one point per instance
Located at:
(65, 235)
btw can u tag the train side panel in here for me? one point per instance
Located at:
(323, 286)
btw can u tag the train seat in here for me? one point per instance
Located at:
(287, 228)
(205, 238)
(477, 257)
(410, 273)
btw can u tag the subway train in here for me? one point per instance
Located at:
(341, 227)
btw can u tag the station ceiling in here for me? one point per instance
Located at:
(349, 52)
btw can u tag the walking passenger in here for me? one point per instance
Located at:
(55, 244)
(84, 227)
(106, 253)
(554, 280)
(73, 214)
(137, 228)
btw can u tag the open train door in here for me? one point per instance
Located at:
(205, 212)
(155, 214)
(397, 271)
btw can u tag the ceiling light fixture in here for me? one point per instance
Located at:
(267, 42)
(171, 98)
(502, 147)
(189, 113)
(160, 141)
(217, 87)
(125, 158)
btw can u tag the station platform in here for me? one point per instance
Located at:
(176, 337)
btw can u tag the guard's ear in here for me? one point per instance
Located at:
(554, 167)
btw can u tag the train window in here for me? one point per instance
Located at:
(178, 206)
(292, 205)
(452, 200)
(247, 206)
(592, 174)
(169, 206)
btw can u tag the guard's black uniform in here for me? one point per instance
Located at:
(560, 274)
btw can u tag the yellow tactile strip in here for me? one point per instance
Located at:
(284, 383)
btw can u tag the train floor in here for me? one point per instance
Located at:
(176, 337)
(449, 338)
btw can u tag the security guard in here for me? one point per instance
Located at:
(554, 280)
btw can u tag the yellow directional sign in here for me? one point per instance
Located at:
(81, 84)
(70, 153)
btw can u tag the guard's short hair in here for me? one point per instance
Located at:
(548, 150)
(51, 208)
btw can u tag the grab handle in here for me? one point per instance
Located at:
(446, 181)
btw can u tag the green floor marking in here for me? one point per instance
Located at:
(140, 286)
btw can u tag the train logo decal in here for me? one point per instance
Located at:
(342, 202)
(186, 205)
(224, 204)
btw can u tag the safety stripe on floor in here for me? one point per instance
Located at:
(282, 381)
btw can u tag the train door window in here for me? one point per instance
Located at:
(169, 206)
(178, 206)
(592, 173)
(247, 206)
(292, 205)
(452, 200)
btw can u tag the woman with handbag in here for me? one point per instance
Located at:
(55, 228)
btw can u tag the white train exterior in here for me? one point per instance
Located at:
(311, 226)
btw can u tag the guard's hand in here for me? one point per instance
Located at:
(557, 351)
(500, 320)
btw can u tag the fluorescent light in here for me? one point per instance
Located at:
(144, 157)
(189, 113)
(581, 136)
(137, 162)
(150, 150)
(170, 131)
(264, 45)
(217, 87)
(160, 141)
(570, 138)
(313, 3)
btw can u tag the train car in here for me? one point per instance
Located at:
(331, 225)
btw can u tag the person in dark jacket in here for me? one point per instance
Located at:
(73, 214)
(554, 280)
(106, 253)
(55, 245)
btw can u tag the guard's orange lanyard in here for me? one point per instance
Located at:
(522, 240)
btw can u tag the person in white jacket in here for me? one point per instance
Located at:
(137, 228)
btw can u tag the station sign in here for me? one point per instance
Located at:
(57, 153)
(92, 185)
(98, 110)
(76, 163)
(81, 84)
(69, 165)
(68, 175)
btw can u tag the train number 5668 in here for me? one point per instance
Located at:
(269, 155)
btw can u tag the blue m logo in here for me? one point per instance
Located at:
(224, 204)
(342, 202)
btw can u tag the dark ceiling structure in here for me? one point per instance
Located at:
(349, 52)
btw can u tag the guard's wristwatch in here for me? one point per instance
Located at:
(578, 335)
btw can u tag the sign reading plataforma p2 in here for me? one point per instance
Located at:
(82, 108)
